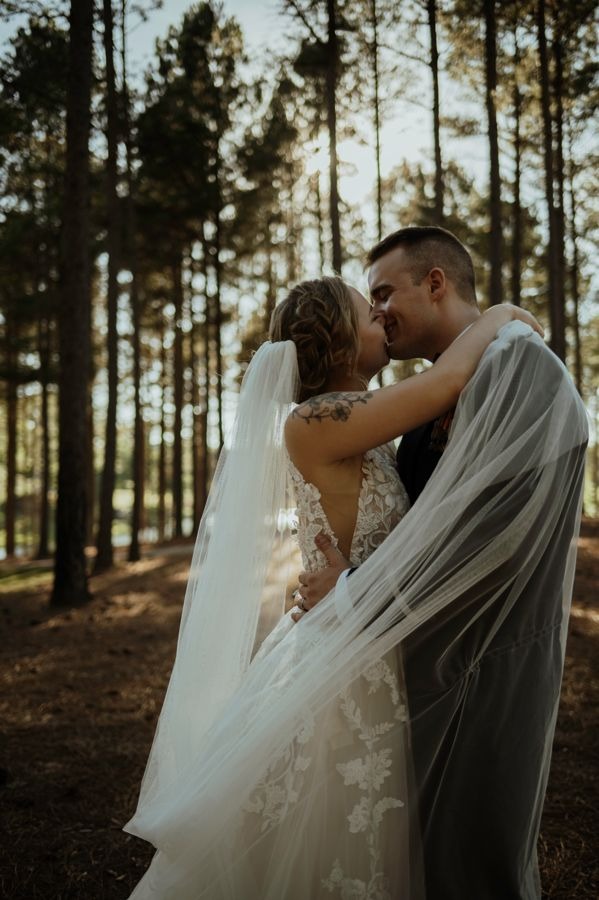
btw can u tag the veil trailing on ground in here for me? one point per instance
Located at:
(487, 551)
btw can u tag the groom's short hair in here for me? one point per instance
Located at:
(428, 247)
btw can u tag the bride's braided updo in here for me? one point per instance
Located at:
(319, 316)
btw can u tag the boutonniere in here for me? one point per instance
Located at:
(440, 432)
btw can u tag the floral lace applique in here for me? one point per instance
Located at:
(368, 773)
(354, 888)
(281, 784)
(382, 503)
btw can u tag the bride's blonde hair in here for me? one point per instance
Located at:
(319, 316)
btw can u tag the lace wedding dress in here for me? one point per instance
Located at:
(329, 817)
(328, 820)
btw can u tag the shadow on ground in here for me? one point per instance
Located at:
(82, 690)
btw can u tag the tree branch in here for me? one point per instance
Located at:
(301, 15)
(403, 53)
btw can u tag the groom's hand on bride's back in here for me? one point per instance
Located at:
(313, 586)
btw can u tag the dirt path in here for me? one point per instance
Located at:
(81, 694)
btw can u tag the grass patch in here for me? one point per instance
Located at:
(25, 578)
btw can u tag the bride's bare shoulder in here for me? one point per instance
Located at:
(307, 430)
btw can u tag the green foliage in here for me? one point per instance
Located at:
(227, 190)
(184, 178)
(32, 141)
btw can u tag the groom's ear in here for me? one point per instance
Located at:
(437, 284)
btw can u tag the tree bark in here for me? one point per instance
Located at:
(11, 437)
(90, 466)
(560, 216)
(29, 442)
(178, 398)
(574, 270)
(162, 448)
(516, 275)
(44, 339)
(217, 322)
(70, 574)
(556, 312)
(44, 345)
(495, 236)
(596, 462)
(271, 287)
(318, 216)
(434, 64)
(134, 299)
(331, 86)
(291, 242)
(199, 423)
(104, 550)
(377, 118)
(205, 467)
(206, 462)
(137, 508)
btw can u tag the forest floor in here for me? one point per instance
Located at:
(81, 692)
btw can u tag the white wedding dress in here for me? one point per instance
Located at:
(329, 817)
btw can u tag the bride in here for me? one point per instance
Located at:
(289, 776)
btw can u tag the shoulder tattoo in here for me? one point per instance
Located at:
(336, 406)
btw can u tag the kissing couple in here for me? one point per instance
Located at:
(390, 738)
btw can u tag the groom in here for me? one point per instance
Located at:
(480, 785)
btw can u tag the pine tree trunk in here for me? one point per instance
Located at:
(196, 432)
(178, 398)
(495, 236)
(138, 506)
(139, 462)
(556, 312)
(271, 287)
(104, 551)
(377, 118)
(434, 64)
(162, 448)
(574, 271)
(44, 340)
(205, 467)
(331, 87)
(290, 244)
(11, 437)
(516, 275)
(29, 446)
(90, 468)
(596, 461)
(70, 574)
(560, 216)
(217, 321)
(319, 224)
(44, 346)
(206, 462)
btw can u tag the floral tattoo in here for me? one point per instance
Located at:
(336, 406)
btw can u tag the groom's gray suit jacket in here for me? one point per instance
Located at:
(481, 784)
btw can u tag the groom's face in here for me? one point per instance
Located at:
(405, 309)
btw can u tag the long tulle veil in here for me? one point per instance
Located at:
(494, 529)
(244, 518)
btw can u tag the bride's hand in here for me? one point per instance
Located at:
(503, 313)
(461, 358)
